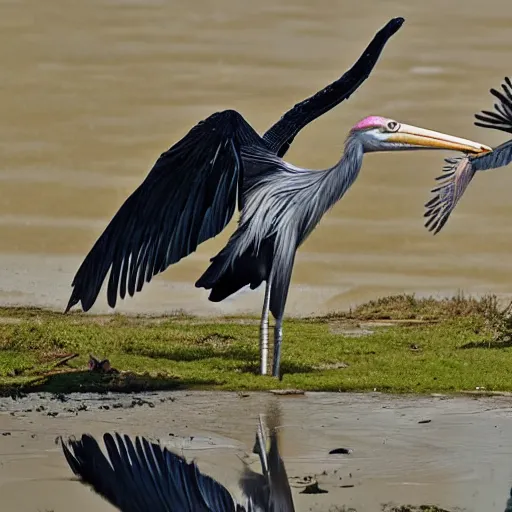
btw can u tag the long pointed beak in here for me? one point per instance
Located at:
(420, 138)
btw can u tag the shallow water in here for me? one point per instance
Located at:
(92, 92)
(460, 459)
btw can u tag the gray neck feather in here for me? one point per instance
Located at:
(339, 178)
(328, 187)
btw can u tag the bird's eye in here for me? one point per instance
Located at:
(392, 126)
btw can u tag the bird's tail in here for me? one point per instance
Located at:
(229, 272)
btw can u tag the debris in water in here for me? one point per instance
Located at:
(313, 488)
(308, 483)
(342, 451)
(103, 366)
(287, 391)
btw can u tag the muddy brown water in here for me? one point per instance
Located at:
(92, 92)
(461, 458)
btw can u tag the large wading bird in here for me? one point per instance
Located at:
(142, 476)
(458, 172)
(191, 193)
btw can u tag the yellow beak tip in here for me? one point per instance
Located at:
(482, 150)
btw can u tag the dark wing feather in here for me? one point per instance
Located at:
(188, 197)
(502, 118)
(87, 461)
(500, 156)
(280, 136)
(144, 476)
(456, 175)
(499, 120)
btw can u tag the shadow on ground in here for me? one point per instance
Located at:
(487, 345)
(74, 381)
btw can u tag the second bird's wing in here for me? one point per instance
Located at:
(188, 197)
(501, 120)
(143, 477)
(456, 175)
(460, 171)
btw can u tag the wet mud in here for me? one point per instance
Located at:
(357, 450)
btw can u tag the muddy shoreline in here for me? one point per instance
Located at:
(449, 451)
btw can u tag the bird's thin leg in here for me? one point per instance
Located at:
(264, 330)
(278, 339)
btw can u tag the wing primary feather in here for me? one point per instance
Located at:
(502, 118)
(281, 134)
(141, 476)
(500, 156)
(457, 175)
(460, 171)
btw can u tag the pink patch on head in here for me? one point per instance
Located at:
(370, 122)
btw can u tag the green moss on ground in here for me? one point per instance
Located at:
(428, 345)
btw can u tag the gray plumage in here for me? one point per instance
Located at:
(283, 204)
(460, 171)
(142, 476)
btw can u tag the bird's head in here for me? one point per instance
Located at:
(382, 134)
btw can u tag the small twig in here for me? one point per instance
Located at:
(64, 360)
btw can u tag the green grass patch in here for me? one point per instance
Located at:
(427, 345)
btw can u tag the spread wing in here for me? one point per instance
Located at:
(456, 177)
(190, 194)
(143, 476)
(460, 171)
(280, 136)
(188, 197)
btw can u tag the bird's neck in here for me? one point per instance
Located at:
(344, 173)
(329, 186)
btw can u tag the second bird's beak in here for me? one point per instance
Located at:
(420, 138)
